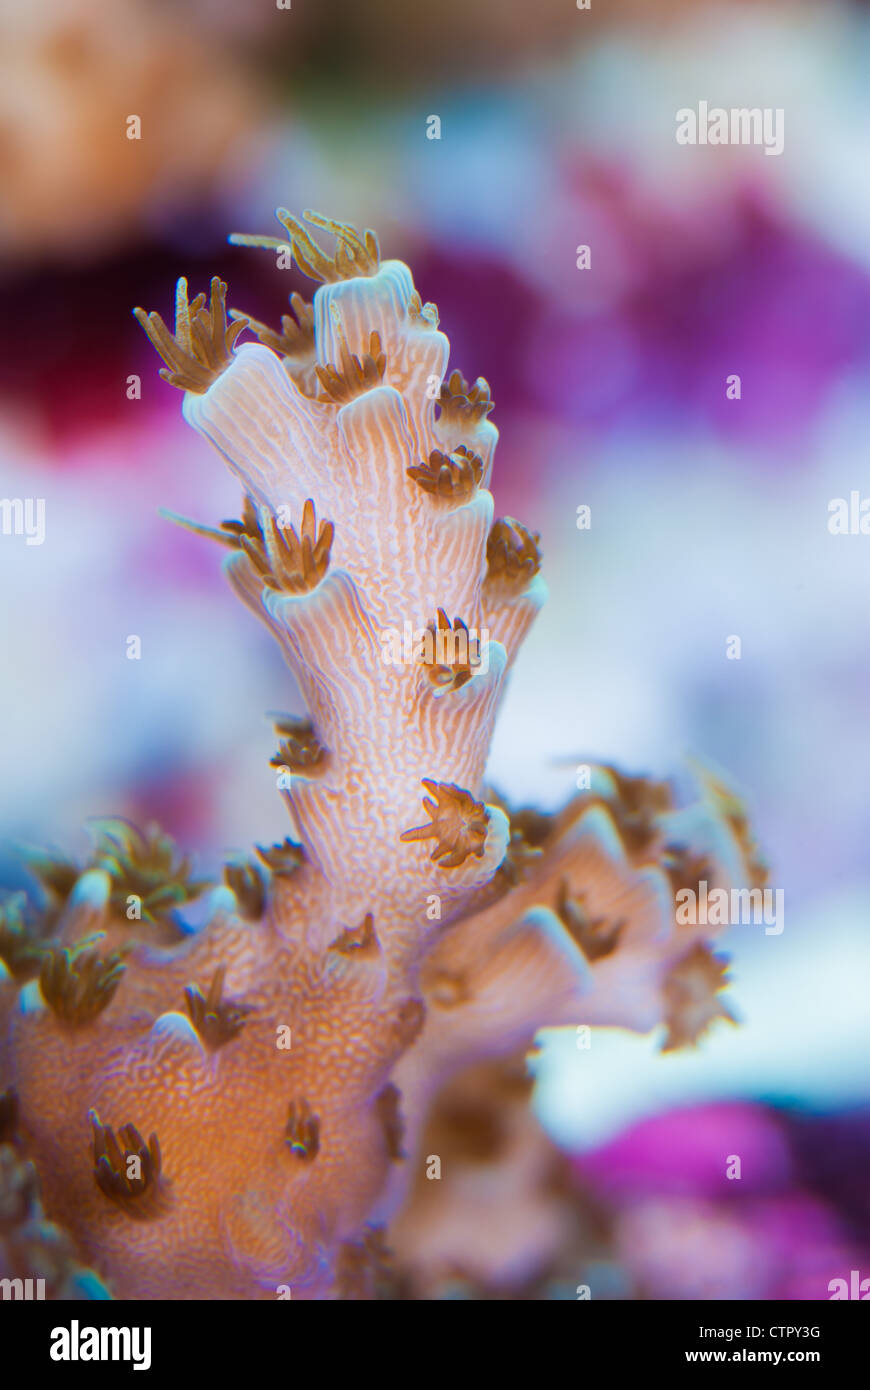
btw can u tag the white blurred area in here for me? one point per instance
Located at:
(627, 663)
(803, 1037)
(84, 727)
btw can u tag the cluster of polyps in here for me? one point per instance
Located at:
(232, 1113)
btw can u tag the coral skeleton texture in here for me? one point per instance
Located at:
(220, 1113)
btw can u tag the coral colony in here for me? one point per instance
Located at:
(237, 1112)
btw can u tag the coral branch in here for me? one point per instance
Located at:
(354, 254)
(282, 559)
(464, 404)
(21, 945)
(296, 337)
(691, 997)
(300, 748)
(245, 881)
(453, 656)
(143, 864)
(202, 346)
(284, 859)
(128, 1171)
(455, 476)
(361, 938)
(216, 1019)
(79, 983)
(369, 961)
(458, 824)
(353, 375)
(302, 1133)
(513, 555)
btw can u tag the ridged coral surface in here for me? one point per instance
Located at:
(227, 1113)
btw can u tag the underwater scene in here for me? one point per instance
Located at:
(435, 559)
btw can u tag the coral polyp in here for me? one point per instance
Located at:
(282, 1057)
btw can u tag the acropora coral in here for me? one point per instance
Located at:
(237, 1111)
